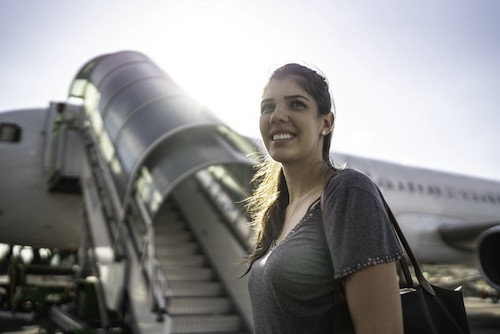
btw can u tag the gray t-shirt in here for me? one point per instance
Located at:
(291, 286)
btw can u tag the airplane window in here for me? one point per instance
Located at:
(484, 198)
(465, 196)
(401, 186)
(433, 190)
(430, 190)
(10, 132)
(491, 198)
(450, 192)
(417, 187)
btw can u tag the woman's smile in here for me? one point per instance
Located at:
(282, 136)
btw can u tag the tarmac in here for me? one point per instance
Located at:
(483, 314)
(481, 304)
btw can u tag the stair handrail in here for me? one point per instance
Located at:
(237, 222)
(158, 290)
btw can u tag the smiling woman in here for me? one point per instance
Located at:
(291, 281)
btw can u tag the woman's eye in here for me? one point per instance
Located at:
(266, 107)
(297, 104)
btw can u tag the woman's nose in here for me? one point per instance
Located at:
(279, 115)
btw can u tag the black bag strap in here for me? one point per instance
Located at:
(404, 265)
(416, 266)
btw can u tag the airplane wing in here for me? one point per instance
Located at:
(464, 236)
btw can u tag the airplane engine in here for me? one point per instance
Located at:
(488, 248)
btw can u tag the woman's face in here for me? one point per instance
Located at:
(290, 124)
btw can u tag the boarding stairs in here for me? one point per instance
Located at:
(196, 300)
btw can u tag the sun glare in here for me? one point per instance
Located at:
(219, 58)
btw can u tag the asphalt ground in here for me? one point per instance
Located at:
(483, 314)
(482, 311)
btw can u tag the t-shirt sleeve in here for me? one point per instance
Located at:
(358, 229)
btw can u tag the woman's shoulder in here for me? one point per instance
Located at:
(351, 178)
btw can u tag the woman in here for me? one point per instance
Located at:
(291, 277)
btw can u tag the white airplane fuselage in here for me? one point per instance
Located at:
(29, 213)
(429, 204)
(423, 200)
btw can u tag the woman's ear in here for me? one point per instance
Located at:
(328, 122)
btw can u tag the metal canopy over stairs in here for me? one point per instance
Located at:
(168, 173)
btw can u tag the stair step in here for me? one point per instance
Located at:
(174, 225)
(177, 225)
(168, 212)
(206, 324)
(178, 249)
(188, 273)
(176, 237)
(231, 332)
(196, 289)
(185, 260)
(194, 305)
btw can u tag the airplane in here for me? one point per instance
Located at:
(139, 190)
(447, 218)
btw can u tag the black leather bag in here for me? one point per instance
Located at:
(427, 309)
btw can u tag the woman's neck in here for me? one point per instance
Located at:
(306, 182)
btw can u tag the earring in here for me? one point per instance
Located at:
(324, 132)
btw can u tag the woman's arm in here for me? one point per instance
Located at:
(374, 301)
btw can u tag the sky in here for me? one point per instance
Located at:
(414, 82)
